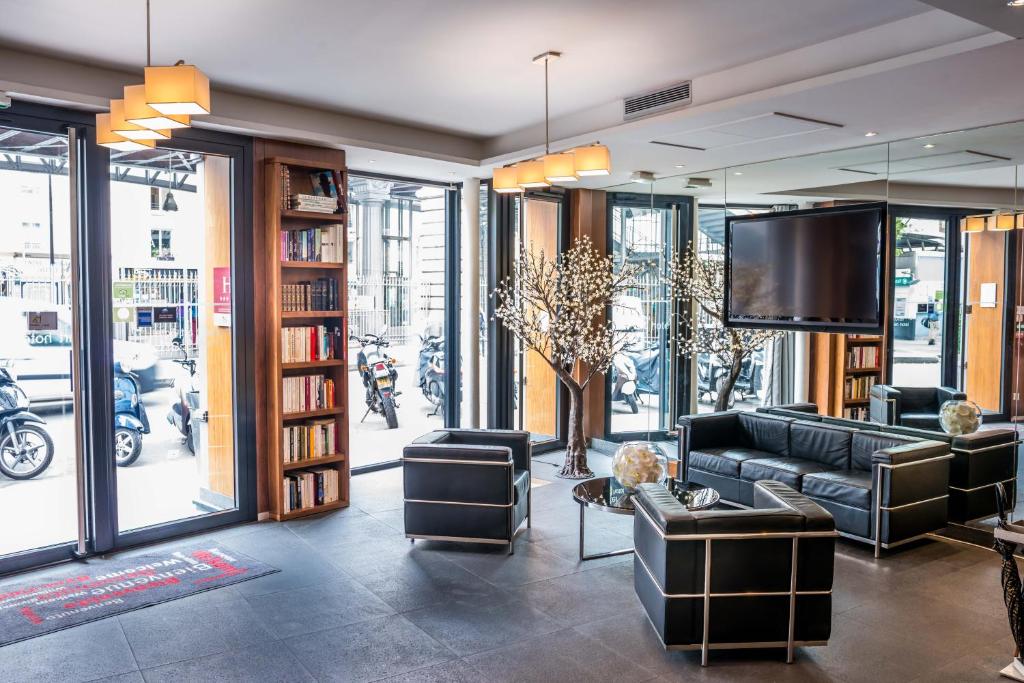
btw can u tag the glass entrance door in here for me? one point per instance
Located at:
(39, 427)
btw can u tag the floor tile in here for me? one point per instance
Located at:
(316, 608)
(272, 664)
(83, 653)
(456, 671)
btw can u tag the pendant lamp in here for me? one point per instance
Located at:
(178, 89)
(105, 137)
(506, 180)
(973, 224)
(593, 160)
(130, 131)
(531, 174)
(141, 114)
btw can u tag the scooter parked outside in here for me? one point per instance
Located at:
(130, 419)
(377, 370)
(431, 371)
(26, 448)
(184, 413)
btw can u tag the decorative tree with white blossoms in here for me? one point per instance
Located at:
(557, 307)
(697, 285)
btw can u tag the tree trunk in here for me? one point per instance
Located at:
(725, 392)
(575, 466)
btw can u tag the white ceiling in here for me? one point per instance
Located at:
(461, 66)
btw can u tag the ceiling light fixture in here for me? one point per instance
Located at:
(973, 224)
(679, 165)
(105, 137)
(737, 172)
(641, 177)
(1015, 3)
(593, 160)
(929, 145)
(871, 134)
(130, 131)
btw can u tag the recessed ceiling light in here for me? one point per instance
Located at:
(737, 172)
(1015, 3)
(930, 145)
(373, 161)
(871, 134)
(642, 177)
(679, 165)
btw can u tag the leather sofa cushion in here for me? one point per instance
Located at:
(849, 487)
(520, 484)
(864, 445)
(928, 421)
(725, 461)
(787, 470)
(765, 432)
(824, 444)
(918, 399)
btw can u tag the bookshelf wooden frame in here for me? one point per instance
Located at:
(829, 371)
(278, 219)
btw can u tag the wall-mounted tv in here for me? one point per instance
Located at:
(818, 270)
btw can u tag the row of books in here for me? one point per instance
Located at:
(304, 489)
(859, 387)
(316, 295)
(856, 413)
(862, 357)
(308, 392)
(315, 439)
(313, 203)
(325, 244)
(286, 187)
(310, 343)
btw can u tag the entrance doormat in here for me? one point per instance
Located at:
(97, 589)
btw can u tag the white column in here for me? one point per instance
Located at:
(470, 309)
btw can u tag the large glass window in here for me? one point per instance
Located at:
(173, 360)
(396, 297)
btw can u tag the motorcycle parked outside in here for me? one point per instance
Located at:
(26, 448)
(431, 371)
(711, 377)
(130, 419)
(377, 370)
(634, 373)
(184, 414)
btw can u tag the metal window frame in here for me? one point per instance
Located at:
(706, 645)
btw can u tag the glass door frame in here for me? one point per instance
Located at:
(678, 392)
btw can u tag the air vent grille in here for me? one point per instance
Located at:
(649, 103)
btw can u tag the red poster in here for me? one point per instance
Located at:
(222, 296)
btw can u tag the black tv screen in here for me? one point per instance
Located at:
(819, 270)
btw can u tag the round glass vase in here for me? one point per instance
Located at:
(959, 417)
(639, 462)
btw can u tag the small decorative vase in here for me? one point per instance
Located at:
(959, 417)
(639, 462)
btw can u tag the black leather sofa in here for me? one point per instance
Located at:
(470, 485)
(916, 407)
(884, 489)
(729, 579)
(980, 460)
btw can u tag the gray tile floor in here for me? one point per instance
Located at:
(356, 602)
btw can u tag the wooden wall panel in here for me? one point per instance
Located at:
(540, 404)
(263, 264)
(984, 326)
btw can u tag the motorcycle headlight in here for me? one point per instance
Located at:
(118, 395)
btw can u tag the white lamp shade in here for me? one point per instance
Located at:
(560, 168)
(181, 89)
(141, 114)
(593, 160)
(531, 174)
(130, 131)
(973, 224)
(106, 137)
(1003, 222)
(506, 180)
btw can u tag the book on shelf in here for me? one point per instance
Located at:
(325, 244)
(316, 295)
(856, 413)
(313, 439)
(286, 187)
(860, 357)
(306, 393)
(313, 203)
(858, 387)
(305, 489)
(310, 343)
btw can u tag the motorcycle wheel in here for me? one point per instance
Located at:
(388, 405)
(631, 402)
(127, 446)
(190, 441)
(39, 439)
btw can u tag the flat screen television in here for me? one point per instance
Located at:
(818, 270)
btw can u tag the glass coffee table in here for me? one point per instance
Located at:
(609, 495)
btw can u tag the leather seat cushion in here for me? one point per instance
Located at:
(849, 487)
(725, 461)
(787, 470)
(920, 420)
(521, 481)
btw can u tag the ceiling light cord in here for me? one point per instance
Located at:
(149, 41)
(547, 122)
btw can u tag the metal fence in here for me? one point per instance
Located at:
(175, 288)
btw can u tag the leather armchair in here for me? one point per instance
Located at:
(916, 407)
(470, 485)
(730, 579)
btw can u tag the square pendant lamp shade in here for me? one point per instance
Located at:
(176, 90)
(593, 160)
(560, 168)
(106, 137)
(506, 180)
(531, 174)
(130, 131)
(1003, 222)
(136, 111)
(974, 224)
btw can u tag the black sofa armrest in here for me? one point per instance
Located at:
(769, 494)
(458, 452)
(710, 429)
(517, 441)
(943, 394)
(668, 514)
(911, 452)
(984, 439)
(884, 404)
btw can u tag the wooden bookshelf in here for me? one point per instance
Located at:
(832, 369)
(279, 219)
